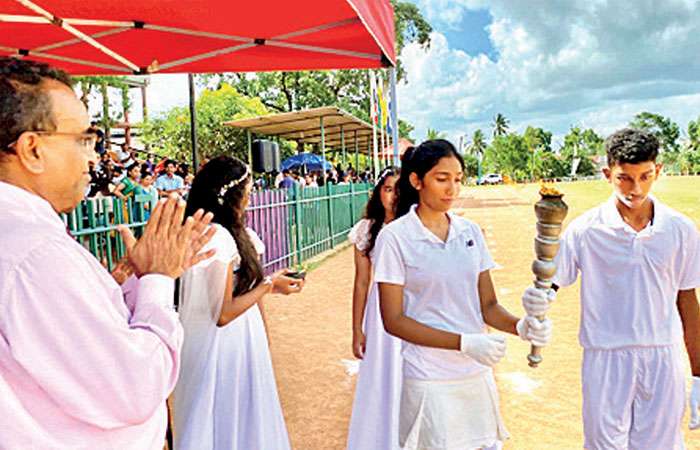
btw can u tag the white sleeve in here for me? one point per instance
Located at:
(690, 267)
(566, 259)
(359, 234)
(389, 264)
(202, 286)
(225, 246)
(486, 261)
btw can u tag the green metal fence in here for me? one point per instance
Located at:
(316, 220)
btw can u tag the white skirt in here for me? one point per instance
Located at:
(450, 415)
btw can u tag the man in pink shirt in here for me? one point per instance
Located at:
(84, 362)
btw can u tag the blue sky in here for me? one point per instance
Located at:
(589, 63)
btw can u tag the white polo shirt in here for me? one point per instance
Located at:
(440, 281)
(629, 280)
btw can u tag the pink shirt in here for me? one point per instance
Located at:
(84, 363)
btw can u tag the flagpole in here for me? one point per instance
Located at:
(394, 116)
(373, 116)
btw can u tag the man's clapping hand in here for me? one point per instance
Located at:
(168, 245)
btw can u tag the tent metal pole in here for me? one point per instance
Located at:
(193, 124)
(342, 145)
(250, 147)
(323, 149)
(357, 155)
(394, 117)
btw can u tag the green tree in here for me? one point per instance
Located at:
(537, 141)
(500, 125)
(405, 130)
(665, 130)
(471, 166)
(431, 134)
(593, 143)
(410, 26)
(694, 134)
(171, 131)
(478, 145)
(508, 155)
(90, 85)
(347, 89)
(580, 146)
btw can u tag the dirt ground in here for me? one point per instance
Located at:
(311, 337)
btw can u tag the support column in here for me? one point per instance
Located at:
(250, 148)
(193, 124)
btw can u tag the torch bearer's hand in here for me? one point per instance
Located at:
(536, 301)
(532, 330)
(695, 404)
(486, 349)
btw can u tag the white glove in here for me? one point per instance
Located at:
(486, 349)
(531, 329)
(536, 301)
(695, 404)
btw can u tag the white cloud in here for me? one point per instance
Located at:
(592, 62)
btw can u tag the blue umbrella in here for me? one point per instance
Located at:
(308, 160)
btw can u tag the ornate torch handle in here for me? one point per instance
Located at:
(551, 211)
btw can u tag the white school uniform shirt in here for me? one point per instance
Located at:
(629, 280)
(440, 281)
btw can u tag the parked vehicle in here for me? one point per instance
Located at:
(491, 178)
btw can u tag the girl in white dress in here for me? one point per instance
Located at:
(436, 295)
(226, 396)
(375, 414)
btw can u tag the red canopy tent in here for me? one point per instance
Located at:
(197, 36)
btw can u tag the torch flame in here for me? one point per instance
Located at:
(548, 189)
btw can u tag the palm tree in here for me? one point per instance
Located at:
(478, 144)
(500, 125)
(434, 134)
(694, 134)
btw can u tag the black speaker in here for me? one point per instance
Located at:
(266, 156)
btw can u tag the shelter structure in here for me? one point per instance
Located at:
(328, 128)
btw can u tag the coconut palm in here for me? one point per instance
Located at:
(500, 125)
(478, 144)
(434, 134)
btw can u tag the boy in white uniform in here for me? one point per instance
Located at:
(640, 263)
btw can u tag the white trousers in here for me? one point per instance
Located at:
(633, 398)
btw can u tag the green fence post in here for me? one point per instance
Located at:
(329, 191)
(352, 204)
(297, 223)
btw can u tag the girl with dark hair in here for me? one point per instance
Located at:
(436, 295)
(129, 184)
(226, 397)
(375, 414)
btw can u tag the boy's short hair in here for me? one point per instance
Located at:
(631, 146)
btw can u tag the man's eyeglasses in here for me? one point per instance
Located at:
(85, 140)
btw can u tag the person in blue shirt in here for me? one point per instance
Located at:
(287, 182)
(169, 182)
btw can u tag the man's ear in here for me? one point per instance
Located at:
(659, 167)
(415, 181)
(30, 154)
(607, 173)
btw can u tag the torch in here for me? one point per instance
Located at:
(550, 211)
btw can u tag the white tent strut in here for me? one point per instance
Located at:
(77, 33)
